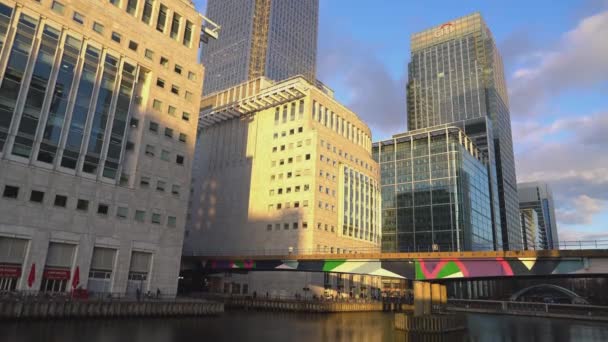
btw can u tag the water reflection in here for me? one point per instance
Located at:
(267, 326)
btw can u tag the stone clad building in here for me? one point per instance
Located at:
(98, 113)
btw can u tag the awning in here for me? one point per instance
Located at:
(56, 274)
(10, 271)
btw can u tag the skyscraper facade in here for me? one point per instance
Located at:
(97, 130)
(435, 192)
(456, 76)
(539, 197)
(272, 38)
(529, 229)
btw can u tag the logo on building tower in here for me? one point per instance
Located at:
(445, 29)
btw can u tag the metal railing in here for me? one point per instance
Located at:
(29, 295)
(529, 307)
(420, 248)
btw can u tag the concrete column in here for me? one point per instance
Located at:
(435, 296)
(443, 298)
(427, 298)
(418, 298)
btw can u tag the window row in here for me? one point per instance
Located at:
(168, 132)
(83, 205)
(290, 160)
(290, 174)
(339, 125)
(345, 155)
(328, 176)
(326, 227)
(327, 206)
(327, 191)
(157, 105)
(161, 185)
(165, 155)
(288, 112)
(286, 226)
(290, 132)
(297, 188)
(288, 205)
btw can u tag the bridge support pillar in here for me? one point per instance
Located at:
(435, 296)
(422, 298)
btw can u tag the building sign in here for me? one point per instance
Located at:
(445, 29)
(10, 271)
(56, 274)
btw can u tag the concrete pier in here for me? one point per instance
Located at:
(51, 309)
(300, 306)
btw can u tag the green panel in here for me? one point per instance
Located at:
(449, 269)
(329, 265)
(419, 273)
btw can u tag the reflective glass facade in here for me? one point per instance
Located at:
(456, 75)
(272, 38)
(434, 192)
(539, 197)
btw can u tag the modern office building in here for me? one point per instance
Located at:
(456, 76)
(435, 192)
(99, 106)
(538, 196)
(529, 229)
(282, 168)
(272, 38)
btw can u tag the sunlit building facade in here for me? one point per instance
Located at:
(97, 128)
(276, 39)
(456, 76)
(435, 192)
(539, 197)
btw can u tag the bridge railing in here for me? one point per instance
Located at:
(529, 307)
(420, 248)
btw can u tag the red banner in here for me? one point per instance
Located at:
(10, 271)
(55, 274)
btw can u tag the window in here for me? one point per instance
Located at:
(305, 203)
(164, 62)
(307, 156)
(162, 18)
(57, 7)
(191, 76)
(37, 196)
(285, 226)
(177, 69)
(61, 201)
(295, 225)
(165, 155)
(131, 7)
(183, 137)
(155, 218)
(97, 27)
(133, 45)
(10, 191)
(304, 225)
(79, 18)
(82, 205)
(188, 96)
(278, 206)
(179, 159)
(115, 3)
(187, 34)
(300, 129)
(168, 132)
(175, 26)
(116, 37)
(175, 189)
(144, 182)
(175, 89)
(102, 209)
(153, 127)
(186, 116)
(156, 104)
(296, 204)
(269, 227)
(171, 110)
(149, 54)
(147, 12)
(171, 221)
(122, 212)
(160, 185)
(297, 188)
(140, 215)
(160, 83)
(150, 150)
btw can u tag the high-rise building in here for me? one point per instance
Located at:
(456, 75)
(98, 118)
(529, 229)
(435, 192)
(538, 196)
(282, 168)
(272, 38)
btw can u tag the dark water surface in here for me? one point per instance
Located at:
(271, 326)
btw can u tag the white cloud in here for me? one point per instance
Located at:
(581, 211)
(578, 61)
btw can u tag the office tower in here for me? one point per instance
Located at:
(282, 168)
(529, 229)
(538, 196)
(456, 76)
(98, 118)
(435, 192)
(272, 38)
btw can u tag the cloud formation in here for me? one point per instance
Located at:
(577, 62)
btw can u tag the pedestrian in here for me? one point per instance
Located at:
(157, 293)
(138, 294)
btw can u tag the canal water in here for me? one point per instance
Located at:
(272, 326)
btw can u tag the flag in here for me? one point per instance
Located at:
(32, 276)
(76, 278)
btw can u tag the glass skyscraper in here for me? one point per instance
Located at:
(435, 192)
(539, 197)
(272, 38)
(456, 76)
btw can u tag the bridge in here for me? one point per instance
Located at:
(428, 266)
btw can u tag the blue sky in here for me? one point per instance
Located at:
(556, 64)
